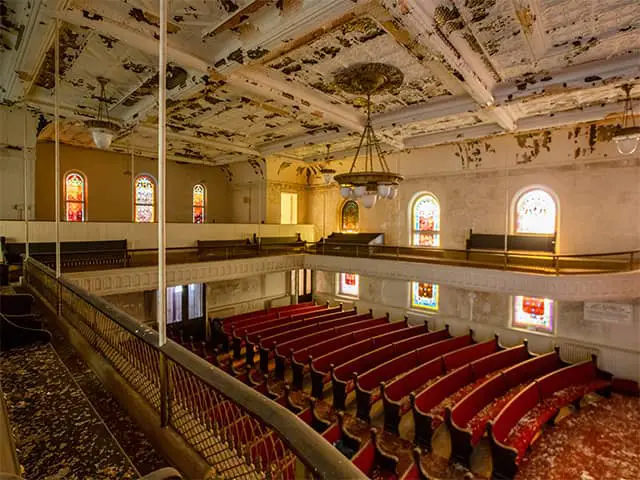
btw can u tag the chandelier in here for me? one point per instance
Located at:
(628, 134)
(326, 172)
(376, 180)
(102, 128)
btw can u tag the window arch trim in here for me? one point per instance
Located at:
(515, 200)
(137, 203)
(82, 202)
(420, 237)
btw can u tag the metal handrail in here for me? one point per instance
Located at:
(628, 260)
(321, 458)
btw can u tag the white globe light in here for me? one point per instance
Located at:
(369, 199)
(384, 189)
(393, 193)
(102, 137)
(360, 191)
(627, 144)
(346, 191)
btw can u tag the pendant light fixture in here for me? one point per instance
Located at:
(627, 137)
(102, 128)
(376, 181)
(326, 172)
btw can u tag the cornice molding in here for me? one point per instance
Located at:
(123, 280)
(595, 287)
(605, 286)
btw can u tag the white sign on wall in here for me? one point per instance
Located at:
(621, 313)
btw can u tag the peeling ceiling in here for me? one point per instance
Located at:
(252, 78)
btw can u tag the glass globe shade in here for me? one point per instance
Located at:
(102, 137)
(384, 190)
(369, 199)
(393, 193)
(627, 144)
(346, 191)
(327, 177)
(360, 191)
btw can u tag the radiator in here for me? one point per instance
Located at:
(575, 353)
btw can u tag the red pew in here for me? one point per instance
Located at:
(322, 366)
(368, 384)
(517, 424)
(467, 420)
(395, 394)
(236, 332)
(345, 376)
(252, 337)
(429, 405)
(283, 351)
(301, 360)
(312, 324)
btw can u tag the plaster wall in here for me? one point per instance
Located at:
(617, 344)
(245, 294)
(598, 190)
(17, 141)
(110, 189)
(145, 235)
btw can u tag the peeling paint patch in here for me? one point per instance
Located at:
(257, 52)
(237, 56)
(531, 145)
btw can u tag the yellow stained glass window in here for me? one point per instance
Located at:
(74, 193)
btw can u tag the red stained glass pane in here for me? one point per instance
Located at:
(198, 215)
(533, 306)
(75, 212)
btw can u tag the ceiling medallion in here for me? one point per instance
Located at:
(627, 136)
(102, 128)
(372, 183)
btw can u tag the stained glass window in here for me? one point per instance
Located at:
(350, 216)
(426, 221)
(145, 191)
(533, 314)
(349, 284)
(74, 196)
(198, 203)
(425, 296)
(536, 212)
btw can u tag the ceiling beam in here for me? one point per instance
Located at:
(146, 44)
(577, 77)
(530, 18)
(538, 122)
(217, 144)
(265, 83)
(418, 18)
(301, 140)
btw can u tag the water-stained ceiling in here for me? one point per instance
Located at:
(251, 78)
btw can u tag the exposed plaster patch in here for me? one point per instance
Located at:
(531, 144)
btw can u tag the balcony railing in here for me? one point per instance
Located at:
(504, 260)
(204, 405)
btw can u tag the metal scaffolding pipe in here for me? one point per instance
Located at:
(25, 157)
(162, 162)
(57, 145)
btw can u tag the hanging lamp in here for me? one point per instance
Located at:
(627, 136)
(376, 181)
(102, 128)
(326, 172)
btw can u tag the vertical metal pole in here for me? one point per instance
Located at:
(57, 144)
(324, 210)
(162, 160)
(25, 156)
(165, 393)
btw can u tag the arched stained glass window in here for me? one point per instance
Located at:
(350, 216)
(425, 220)
(199, 195)
(74, 197)
(145, 199)
(424, 296)
(535, 212)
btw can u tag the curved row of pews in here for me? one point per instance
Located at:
(357, 379)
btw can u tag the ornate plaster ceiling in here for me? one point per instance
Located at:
(251, 78)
